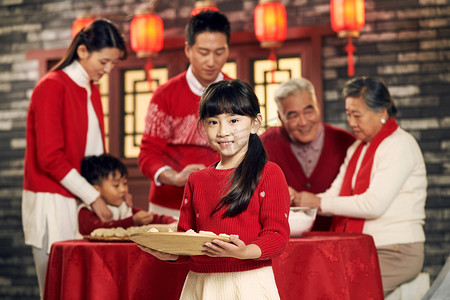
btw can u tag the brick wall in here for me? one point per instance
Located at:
(406, 42)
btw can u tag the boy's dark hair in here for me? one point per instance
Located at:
(97, 168)
(207, 21)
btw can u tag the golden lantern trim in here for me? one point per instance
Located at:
(268, 1)
(271, 44)
(203, 5)
(347, 33)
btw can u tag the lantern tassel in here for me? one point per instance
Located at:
(273, 59)
(148, 67)
(350, 48)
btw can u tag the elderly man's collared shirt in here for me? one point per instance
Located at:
(308, 154)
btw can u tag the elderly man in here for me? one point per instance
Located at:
(308, 151)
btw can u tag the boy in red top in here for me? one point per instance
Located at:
(109, 176)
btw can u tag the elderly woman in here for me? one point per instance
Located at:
(381, 186)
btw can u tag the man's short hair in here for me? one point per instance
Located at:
(207, 21)
(287, 88)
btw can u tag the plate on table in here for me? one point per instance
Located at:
(179, 243)
(119, 234)
(106, 238)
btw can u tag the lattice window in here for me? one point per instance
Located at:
(230, 69)
(265, 83)
(103, 85)
(136, 97)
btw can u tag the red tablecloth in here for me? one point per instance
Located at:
(83, 270)
(317, 266)
(329, 266)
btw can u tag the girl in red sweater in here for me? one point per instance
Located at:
(243, 195)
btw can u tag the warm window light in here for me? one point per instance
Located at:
(270, 27)
(347, 19)
(81, 22)
(202, 6)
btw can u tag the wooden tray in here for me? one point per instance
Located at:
(179, 243)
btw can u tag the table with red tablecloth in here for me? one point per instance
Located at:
(319, 265)
(325, 265)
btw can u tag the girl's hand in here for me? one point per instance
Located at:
(236, 249)
(158, 254)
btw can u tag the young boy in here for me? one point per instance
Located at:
(109, 176)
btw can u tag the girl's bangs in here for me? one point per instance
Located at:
(226, 102)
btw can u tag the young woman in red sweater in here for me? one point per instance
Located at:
(243, 195)
(65, 124)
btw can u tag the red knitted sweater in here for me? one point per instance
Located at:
(264, 223)
(57, 125)
(336, 142)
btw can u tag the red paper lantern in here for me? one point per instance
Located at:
(270, 27)
(147, 38)
(202, 6)
(80, 23)
(146, 34)
(270, 23)
(347, 19)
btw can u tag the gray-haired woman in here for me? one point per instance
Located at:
(381, 186)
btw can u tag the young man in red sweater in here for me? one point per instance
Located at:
(308, 151)
(172, 148)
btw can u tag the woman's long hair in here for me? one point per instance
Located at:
(236, 97)
(97, 35)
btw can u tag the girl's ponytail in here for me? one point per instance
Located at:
(245, 179)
